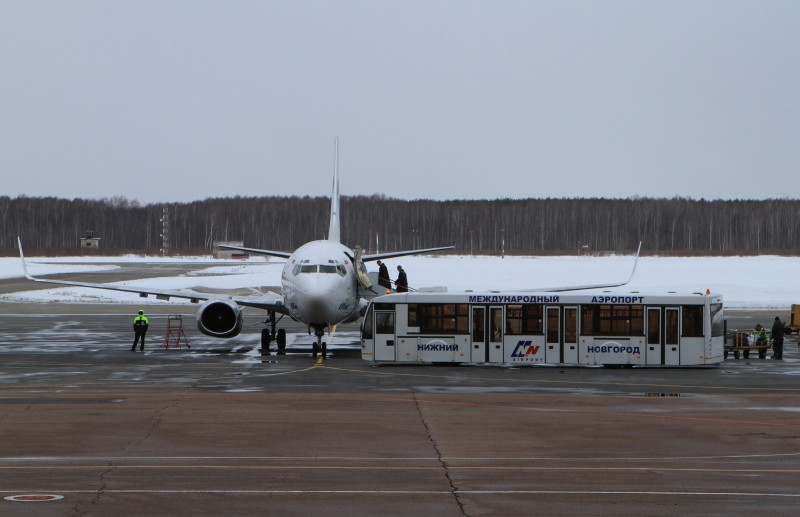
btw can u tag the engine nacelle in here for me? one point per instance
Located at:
(220, 318)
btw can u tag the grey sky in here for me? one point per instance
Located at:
(183, 100)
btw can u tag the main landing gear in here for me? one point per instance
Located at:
(267, 335)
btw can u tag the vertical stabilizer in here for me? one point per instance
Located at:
(333, 230)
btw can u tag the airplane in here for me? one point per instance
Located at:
(323, 283)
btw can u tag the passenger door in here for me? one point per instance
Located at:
(487, 334)
(571, 335)
(384, 336)
(552, 353)
(654, 349)
(672, 333)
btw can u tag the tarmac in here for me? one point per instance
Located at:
(218, 428)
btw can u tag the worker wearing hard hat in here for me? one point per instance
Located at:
(140, 324)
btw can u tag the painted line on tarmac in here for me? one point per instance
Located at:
(73, 459)
(519, 468)
(426, 492)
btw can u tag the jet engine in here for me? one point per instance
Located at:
(219, 318)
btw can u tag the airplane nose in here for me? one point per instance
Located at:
(318, 311)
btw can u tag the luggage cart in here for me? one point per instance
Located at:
(742, 342)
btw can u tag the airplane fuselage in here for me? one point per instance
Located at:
(319, 284)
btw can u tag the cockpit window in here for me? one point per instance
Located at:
(306, 268)
(327, 269)
(296, 270)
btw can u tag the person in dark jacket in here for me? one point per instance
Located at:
(383, 276)
(777, 339)
(401, 284)
(140, 324)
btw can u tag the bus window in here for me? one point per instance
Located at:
(533, 319)
(613, 320)
(439, 318)
(671, 325)
(692, 321)
(478, 324)
(366, 327)
(524, 320)
(496, 320)
(513, 320)
(654, 326)
(588, 323)
(552, 325)
(717, 320)
(570, 325)
(384, 322)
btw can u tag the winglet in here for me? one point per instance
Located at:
(22, 257)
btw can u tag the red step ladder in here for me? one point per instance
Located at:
(174, 335)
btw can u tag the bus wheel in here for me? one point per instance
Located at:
(725, 354)
(746, 354)
(762, 354)
(736, 354)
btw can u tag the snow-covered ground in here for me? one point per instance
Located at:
(764, 282)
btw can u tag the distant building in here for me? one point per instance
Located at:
(229, 254)
(90, 241)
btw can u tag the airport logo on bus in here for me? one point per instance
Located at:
(525, 351)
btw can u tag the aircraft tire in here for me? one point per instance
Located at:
(265, 338)
(324, 349)
(281, 338)
(314, 350)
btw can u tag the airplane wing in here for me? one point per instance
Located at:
(593, 286)
(279, 254)
(269, 301)
(381, 256)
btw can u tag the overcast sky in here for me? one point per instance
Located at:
(451, 99)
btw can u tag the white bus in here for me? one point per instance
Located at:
(545, 328)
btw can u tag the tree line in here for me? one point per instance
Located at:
(49, 225)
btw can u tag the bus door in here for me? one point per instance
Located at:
(480, 351)
(552, 352)
(654, 349)
(487, 334)
(384, 336)
(571, 335)
(672, 351)
(496, 327)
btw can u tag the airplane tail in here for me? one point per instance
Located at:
(333, 230)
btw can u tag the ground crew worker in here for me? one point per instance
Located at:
(777, 339)
(760, 335)
(140, 324)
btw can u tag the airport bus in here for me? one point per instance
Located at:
(519, 328)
